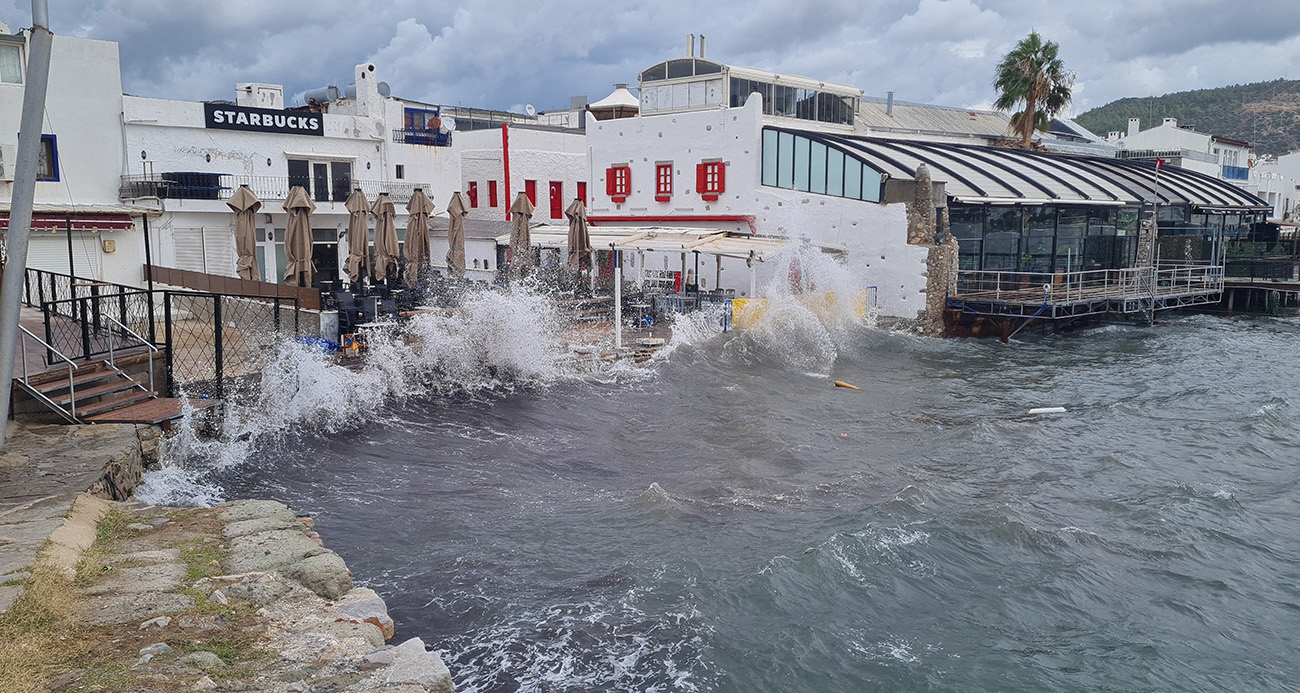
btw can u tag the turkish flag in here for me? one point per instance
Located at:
(1159, 163)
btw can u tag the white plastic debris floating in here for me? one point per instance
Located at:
(1049, 410)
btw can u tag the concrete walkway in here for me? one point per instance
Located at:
(43, 469)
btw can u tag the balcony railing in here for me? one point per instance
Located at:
(1236, 173)
(428, 138)
(220, 186)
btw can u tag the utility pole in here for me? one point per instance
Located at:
(24, 194)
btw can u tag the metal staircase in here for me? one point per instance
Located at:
(86, 392)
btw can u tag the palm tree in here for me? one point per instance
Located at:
(1031, 73)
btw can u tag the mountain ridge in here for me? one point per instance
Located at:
(1265, 114)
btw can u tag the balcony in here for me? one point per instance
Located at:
(428, 138)
(191, 185)
(1089, 292)
(1236, 173)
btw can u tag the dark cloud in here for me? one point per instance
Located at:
(505, 54)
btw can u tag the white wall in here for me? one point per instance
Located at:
(538, 154)
(874, 234)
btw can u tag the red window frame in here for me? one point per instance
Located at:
(618, 182)
(711, 179)
(472, 193)
(492, 193)
(663, 182)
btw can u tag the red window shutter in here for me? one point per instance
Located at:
(582, 192)
(492, 193)
(701, 184)
(663, 182)
(530, 189)
(619, 182)
(610, 184)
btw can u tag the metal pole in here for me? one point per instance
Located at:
(24, 193)
(218, 358)
(148, 277)
(618, 307)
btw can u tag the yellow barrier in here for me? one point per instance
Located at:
(746, 312)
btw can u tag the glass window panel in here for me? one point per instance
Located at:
(817, 168)
(1069, 253)
(655, 73)
(769, 98)
(801, 154)
(1071, 221)
(1040, 221)
(681, 68)
(835, 172)
(785, 161)
(769, 157)
(681, 95)
(853, 178)
(11, 63)
(968, 253)
(1002, 220)
(871, 184)
(966, 221)
(1001, 250)
(696, 96)
(1036, 253)
(704, 67)
(1127, 224)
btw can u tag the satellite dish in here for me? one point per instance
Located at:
(530, 110)
(448, 123)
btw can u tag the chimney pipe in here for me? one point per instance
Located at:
(701, 45)
(889, 104)
(690, 45)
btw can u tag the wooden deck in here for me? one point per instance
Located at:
(153, 411)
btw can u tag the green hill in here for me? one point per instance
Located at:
(1266, 114)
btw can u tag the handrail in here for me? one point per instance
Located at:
(72, 367)
(152, 349)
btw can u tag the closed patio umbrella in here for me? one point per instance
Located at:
(521, 244)
(387, 249)
(358, 236)
(579, 237)
(457, 210)
(245, 205)
(417, 235)
(297, 237)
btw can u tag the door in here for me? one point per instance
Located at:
(582, 193)
(530, 189)
(557, 199)
(321, 182)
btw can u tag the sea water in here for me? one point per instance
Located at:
(722, 518)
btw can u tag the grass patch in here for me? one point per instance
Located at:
(40, 632)
(201, 559)
(230, 650)
(112, 528)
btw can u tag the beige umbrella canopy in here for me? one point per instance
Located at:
(457, 210)
(417, 235)
(521, 245)
(358, 236)
(579, 238)
(245, 205)
(387, 249)
(297, 237)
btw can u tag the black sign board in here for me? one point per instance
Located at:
(226, 117)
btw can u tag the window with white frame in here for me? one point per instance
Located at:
(11, 62)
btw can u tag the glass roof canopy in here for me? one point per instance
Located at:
(688, 84)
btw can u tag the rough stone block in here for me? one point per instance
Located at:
(146, 557)
(148, 578)
(8, 595)
(413, 664)
(362, 604)
(259, 591)
(267, 551)
(250, 509)
(325, 574)
(257, 525)
(127, 608)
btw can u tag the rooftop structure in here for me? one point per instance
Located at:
(889, 117)
(692, 84)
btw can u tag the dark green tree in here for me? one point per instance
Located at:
(1032, 75)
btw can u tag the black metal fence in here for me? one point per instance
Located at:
(214, 340)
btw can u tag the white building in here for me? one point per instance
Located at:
(1222, 157)
(80, 160)
(1279, 184)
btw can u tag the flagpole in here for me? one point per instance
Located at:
(1155, 234)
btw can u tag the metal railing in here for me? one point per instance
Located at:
(1088, 285)
(429, 138)
(220, 186)
(213, 339)
(112, 360)
(83, 326)
(72, 369)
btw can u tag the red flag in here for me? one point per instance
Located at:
(1159, 163)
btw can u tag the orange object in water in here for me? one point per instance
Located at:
(841, 383)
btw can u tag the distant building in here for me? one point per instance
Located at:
(1225, 158)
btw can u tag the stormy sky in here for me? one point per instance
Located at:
(506, 53)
